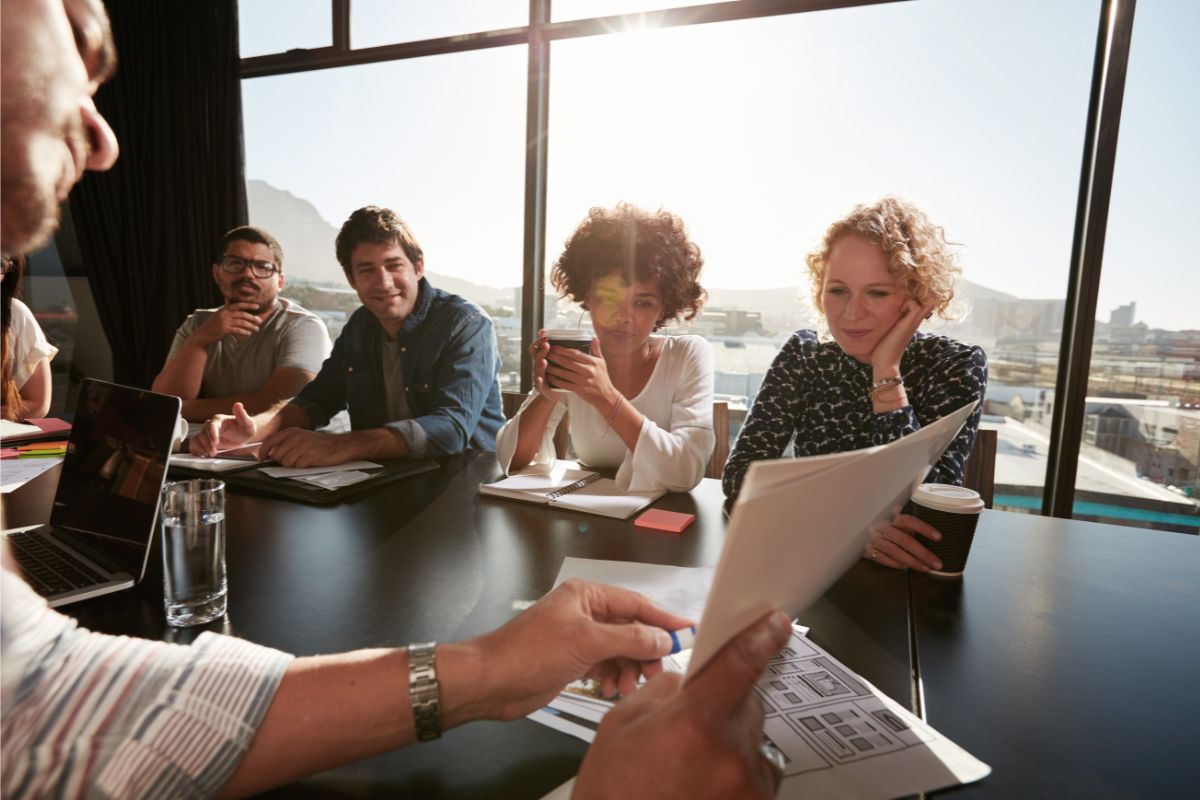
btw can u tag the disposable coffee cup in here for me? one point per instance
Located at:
(570, 338)
(954, 511)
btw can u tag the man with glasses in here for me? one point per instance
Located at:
(257, 348)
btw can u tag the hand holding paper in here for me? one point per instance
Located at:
(799, 524)
(703, 737)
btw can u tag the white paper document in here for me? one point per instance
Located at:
(9, 429)
(336, 480)
(16, 472)
(207, 464)
(841, 737)
(298, 472)
(680, 590)
(799, 524)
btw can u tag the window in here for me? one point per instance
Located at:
(267, 26)
(762, 132)
(56, 290)
(379, 22)
(1146, 350)
(579, 9)
(439, 140)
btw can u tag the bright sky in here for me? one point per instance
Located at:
(759, 133)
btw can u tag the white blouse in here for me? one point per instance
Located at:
(27, 344)
(676, 439)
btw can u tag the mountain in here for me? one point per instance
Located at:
(307, 241)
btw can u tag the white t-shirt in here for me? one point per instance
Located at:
(676, 439)
(27, 343)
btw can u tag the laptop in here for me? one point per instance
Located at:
(106, 506)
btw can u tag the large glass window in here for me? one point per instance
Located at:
(268, 26)
(582, 9)
(1139, 460)
(439, 140)
(56, 290)
(762, 132)
(378, 22)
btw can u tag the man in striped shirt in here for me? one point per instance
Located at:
(88, 715)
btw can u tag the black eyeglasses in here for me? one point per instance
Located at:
(259, 269)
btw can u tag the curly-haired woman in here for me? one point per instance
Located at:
(878, 274)
(638, 402)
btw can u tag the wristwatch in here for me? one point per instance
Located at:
(423, 690)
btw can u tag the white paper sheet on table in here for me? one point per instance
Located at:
(841, 737)
(336, 480)
(681, 590)
(800, 524)
(297, 472)
(9, 428)
(16, 472)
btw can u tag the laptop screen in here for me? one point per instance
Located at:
(115, 465)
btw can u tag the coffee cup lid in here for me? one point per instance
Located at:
(568, 333)
(943, 497)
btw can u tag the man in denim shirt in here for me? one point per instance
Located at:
(416, 366)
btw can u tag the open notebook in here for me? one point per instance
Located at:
(564, 486)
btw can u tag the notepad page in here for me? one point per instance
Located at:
(535, 485)
(604, 498)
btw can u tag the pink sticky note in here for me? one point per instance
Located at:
(659, 520)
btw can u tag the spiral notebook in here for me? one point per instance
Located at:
(575, 489)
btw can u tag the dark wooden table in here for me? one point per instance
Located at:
(427, 558)
(1068, 658)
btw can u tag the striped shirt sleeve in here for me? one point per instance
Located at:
(90, 715)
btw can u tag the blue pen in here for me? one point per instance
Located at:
(682, 639)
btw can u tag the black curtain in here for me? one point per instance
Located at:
(147, 228)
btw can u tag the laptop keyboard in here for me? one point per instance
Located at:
(51, 571)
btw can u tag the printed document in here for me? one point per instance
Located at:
(841, 737)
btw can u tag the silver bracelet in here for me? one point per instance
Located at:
(423, 691)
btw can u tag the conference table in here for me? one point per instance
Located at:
(1067, 659)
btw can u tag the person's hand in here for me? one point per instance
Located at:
(580, 630)
(585, 374)
(297, 447)
(885, 358)
(236, 319)
(224, 431)
(540, 349)
(894, 543)
(693, 741)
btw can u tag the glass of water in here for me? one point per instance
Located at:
(193, 539)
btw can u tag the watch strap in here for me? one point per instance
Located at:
(424, 691)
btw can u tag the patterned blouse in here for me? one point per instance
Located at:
(817, 394)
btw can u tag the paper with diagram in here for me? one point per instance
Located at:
(841, 737)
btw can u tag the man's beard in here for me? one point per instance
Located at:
(29, 211)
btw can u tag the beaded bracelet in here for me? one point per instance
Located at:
(882, 386)
(612, 414)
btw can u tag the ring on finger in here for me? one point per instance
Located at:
(874, 554)
(774, 758)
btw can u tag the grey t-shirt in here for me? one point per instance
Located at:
(393, 380)
(292, 337)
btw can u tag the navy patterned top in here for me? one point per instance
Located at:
(817, 393)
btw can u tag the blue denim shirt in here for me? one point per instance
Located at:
(451, 370)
